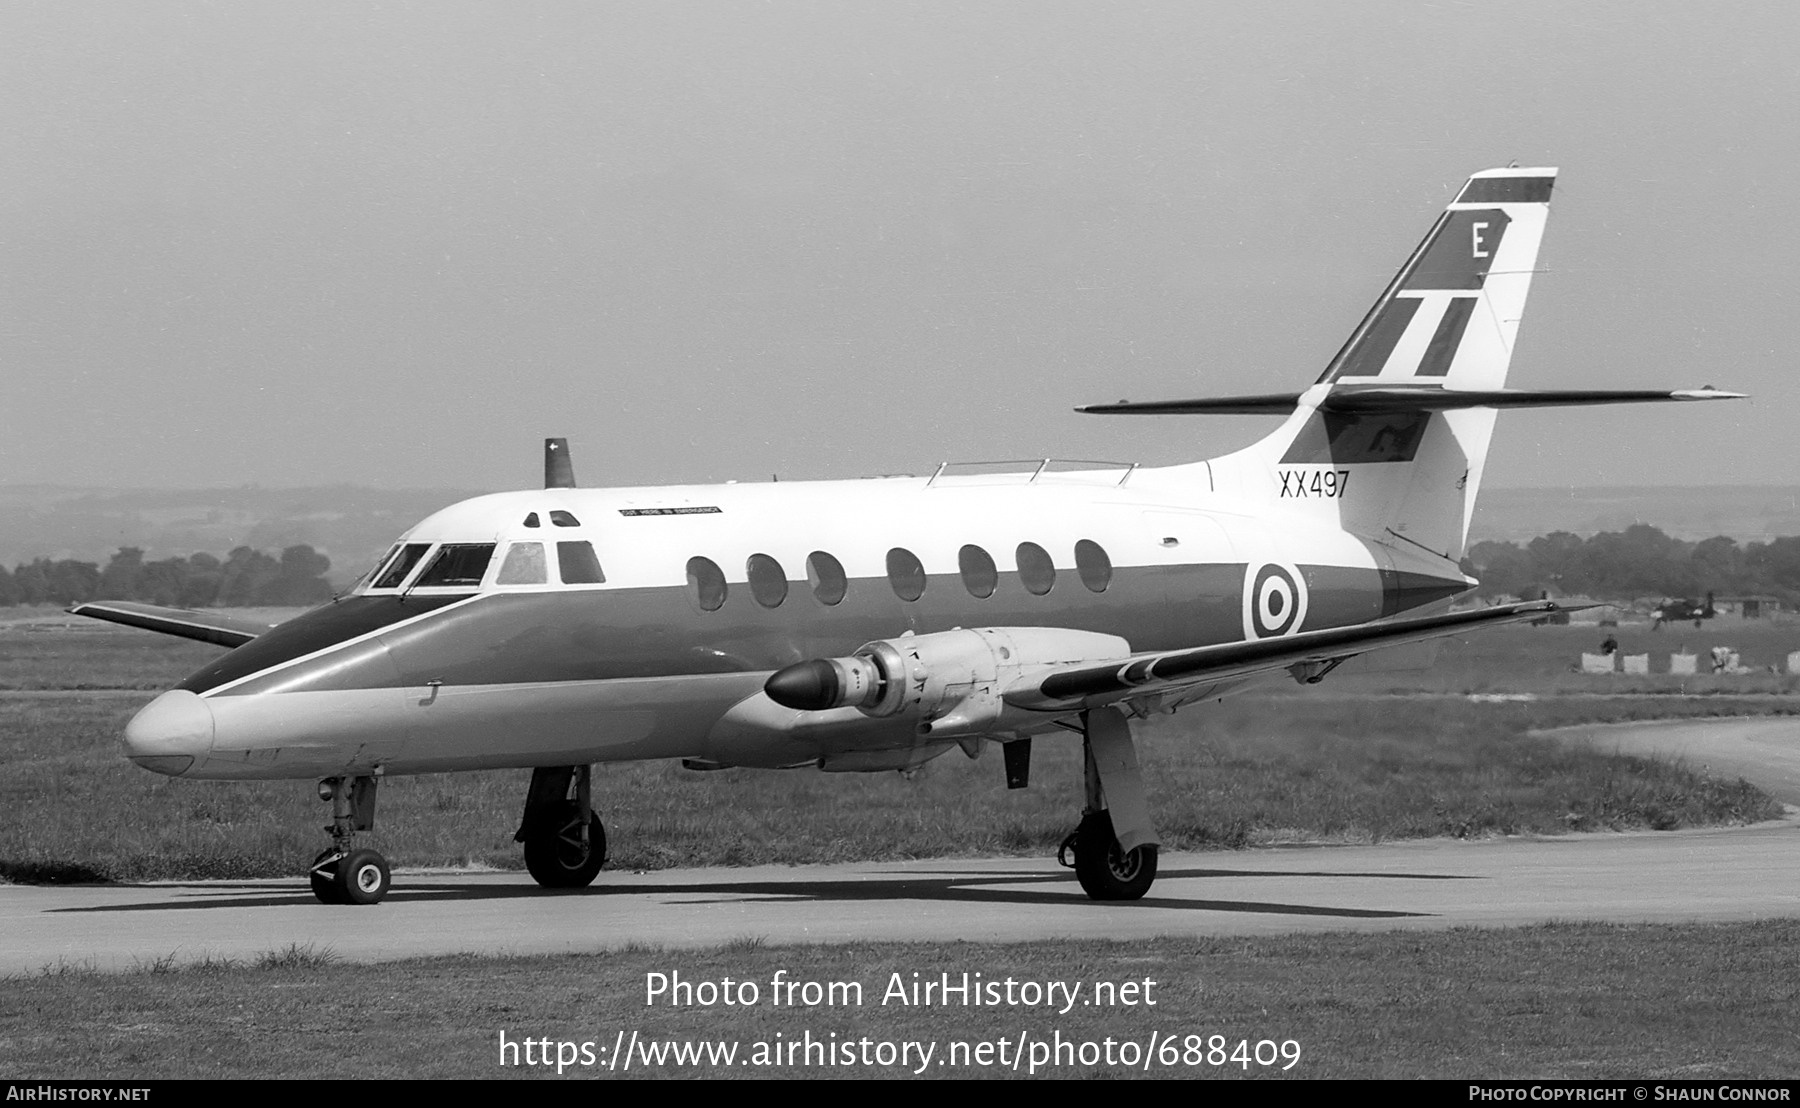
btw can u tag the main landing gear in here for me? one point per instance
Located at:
(1113, 851)
(347, 874)
(565, 843)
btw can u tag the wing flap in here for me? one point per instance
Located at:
(1092, 686)
(180, 622)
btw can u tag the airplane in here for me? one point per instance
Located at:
(1674, 611)
(875, 624)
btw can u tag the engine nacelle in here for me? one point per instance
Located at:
(950, 681)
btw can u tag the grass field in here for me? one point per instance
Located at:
(1575, 1001)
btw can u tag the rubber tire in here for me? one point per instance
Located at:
(1105, 871)
(324, 881)
(558, 861)
(363, 877)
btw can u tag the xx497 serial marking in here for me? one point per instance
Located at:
(1327, 483)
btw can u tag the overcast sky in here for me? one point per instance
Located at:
(397, 244)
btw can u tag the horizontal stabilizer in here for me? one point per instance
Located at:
(1279, 403)
(180, 622)
(1094, 686)
(1406, 398)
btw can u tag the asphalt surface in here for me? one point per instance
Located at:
(1766, 751)
(1725, 874)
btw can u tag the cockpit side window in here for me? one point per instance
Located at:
(400, 565)
(457, 565)
(524, 565)
(369, 574)
(579, 564)
(564, 519)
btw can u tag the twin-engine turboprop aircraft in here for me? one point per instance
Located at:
(873, 625)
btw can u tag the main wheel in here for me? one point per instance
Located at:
(1105, 871)
(362, 877)
(563, 858)
(324, 877)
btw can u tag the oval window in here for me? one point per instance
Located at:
(979, 575)
(826, 576)
(1036, 571)
(768, 582)
(706, 584)
(1093, 565)
(906, 574)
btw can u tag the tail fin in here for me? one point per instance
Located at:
(1451, 314)
(1361, 449)
(1448, 321)
(1403, 473)
(1390, 442)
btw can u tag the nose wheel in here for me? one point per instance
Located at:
(359, 877)
(346, 873)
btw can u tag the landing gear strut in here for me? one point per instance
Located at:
(1114, 849)
(565, 843)
(347, 874)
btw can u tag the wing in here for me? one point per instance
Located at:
(180, 622)
(1096, 685)
(988, 680)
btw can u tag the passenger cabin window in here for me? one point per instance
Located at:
(524, 565)
(400, 565)
(1093, 565)
(768, 581)
(979, 574)
(579, 564)
(906, 574)
(1036, 571)
(826, 576)
(531, 520)
(563, 519)
(706, 584)
(457, 565)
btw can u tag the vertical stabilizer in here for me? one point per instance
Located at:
(1406, 474)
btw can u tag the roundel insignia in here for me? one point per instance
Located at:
(1274, 600)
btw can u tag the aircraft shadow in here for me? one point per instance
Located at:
(964, 888)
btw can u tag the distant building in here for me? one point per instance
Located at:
(1747, 607)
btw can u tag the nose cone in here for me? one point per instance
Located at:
(170, 733)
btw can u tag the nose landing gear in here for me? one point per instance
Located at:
(346, 873)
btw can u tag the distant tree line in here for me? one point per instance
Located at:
(1639, 561)
(244, 578)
